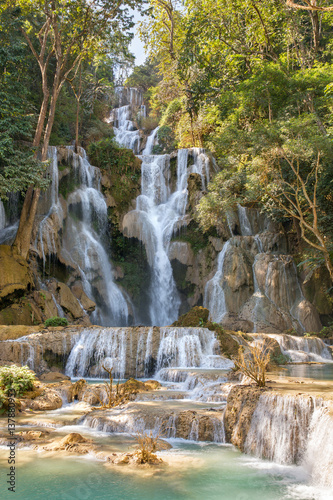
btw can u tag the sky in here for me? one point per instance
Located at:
(136, 45)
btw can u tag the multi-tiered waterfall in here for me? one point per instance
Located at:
(159, 209)
(257, 280)
(81, 242)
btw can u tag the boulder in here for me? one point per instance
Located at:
(68, 301)
(53, 376)
(46, 399)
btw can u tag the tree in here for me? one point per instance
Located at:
(60, 34)
(18, 168)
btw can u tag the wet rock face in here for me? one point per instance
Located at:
(15, 276)
(241, 404)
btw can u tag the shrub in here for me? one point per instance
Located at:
(3, 398)
(56, 321)
(19, 378)
(254, 361)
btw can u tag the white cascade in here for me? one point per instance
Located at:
(46, 240)
(303, 349)
(83, 244)
(214, 298)
(245, 225)
(2, 216)
(291, 429)
(189, 347)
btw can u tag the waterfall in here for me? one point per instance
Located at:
(303, 349)
(151, 140)
(291, 429)
(2, 216)
(83, 244)
(9, 222)
(46, 239)
(279, 428)
(245, 225)
(189, 347)
(214, 298)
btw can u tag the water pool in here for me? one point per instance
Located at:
(191, 472)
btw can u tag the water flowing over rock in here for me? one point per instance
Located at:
(159, 212)
(79, 239)
(257, 280)
(301, 349)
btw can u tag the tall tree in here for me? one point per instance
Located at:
(59, 34)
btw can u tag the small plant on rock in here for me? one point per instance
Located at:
(148, 444)
(56, 321)
(253, 361)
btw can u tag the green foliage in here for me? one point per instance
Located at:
(325, 333)
(3, 399)
(56, 321)
(122, 167)
(18, 378)
(166, 141)
(279, 359)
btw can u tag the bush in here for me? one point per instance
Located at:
(3, 398)
(56, 321)
(18, 378)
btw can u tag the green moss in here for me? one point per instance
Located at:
(194, 236)
(121, 166)
(197, 316)
(56, 321)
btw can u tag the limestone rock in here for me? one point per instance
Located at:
(68, 301)
(53, 376)
(47, 400)
(79, 293)
(15, 277)
(241, 403)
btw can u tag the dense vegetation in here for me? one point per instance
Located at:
(252, 82)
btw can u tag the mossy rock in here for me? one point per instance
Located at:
(228, 345)
(197, 316)
(133, 386)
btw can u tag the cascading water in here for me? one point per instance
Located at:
(291, 429)
(300, 349)
(214, 298)
(257, 281)
(83, 244)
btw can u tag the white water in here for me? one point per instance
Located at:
(83, 244)
(214, 298)
(2, 216)
(189, 347)
(294, 429)
(46, 239)
(301, 349)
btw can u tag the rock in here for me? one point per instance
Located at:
(153, 384)
(73, 443)
(68, 301)
(217, 243)
(49, 399)
(181, 251)
(12, 332)
(79, 293)
(241, 403)
(53, 377)
(231, 321)
(15, 277)
(197, 316)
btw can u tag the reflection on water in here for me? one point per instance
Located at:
(314, 371)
